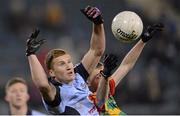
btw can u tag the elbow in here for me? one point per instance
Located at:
(100, 52)
(127, 65)
(130, 68)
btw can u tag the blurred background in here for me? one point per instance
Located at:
(152, 87)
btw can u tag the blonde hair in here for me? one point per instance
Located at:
(54, 53)
(14, 81)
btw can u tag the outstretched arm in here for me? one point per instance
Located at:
(97, 43)
(110, 63)
(132, 56)
(38, 74)
(126, 65)
(128, 62)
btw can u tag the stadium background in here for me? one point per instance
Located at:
(152, 87)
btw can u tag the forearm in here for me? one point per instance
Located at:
(98, 39)
(128, 62)
(97, 44)
(132, 56)
(102, 92)
(38, 74)
(97, 47)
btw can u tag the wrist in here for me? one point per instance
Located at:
(105, 75)
(28, 53)
(99, 20)
(146, 37)
(143, 40)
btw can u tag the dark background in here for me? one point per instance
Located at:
(152, 87)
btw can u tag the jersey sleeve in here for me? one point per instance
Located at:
(56, 100)
(82, 71)
(111, 86)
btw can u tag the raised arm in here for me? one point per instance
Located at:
(126, 65)
(132, 56)
(97, 43)
(110, 63)
(38, 74)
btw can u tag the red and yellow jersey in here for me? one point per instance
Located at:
(110, 107)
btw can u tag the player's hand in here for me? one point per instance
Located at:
(32, 44)
(110, 63)
(93, 14)
(151, 31)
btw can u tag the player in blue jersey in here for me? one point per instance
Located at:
(66, 91)
(17, 96)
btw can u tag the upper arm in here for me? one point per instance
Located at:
(97, 47)
(48, 92)
(56, 100)
(90, 60)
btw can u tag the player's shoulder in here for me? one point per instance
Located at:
(80, 69)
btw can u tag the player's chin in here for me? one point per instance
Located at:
(71, 77)
(19, 104)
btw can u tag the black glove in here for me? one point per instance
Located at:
(32, 44)
(110, 63)
(151, 31)
(93, 14)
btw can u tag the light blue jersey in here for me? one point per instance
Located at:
(34, 112)
(72, 98)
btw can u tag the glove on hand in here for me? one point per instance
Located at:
(151, 31)
(32, 44)
(110, 63)
(93, 14)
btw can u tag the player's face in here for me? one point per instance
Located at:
(17, 95)
(63, 68)
(96, 76)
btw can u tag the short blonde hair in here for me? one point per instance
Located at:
(54, 53)
(14, 81)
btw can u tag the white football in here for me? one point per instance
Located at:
(127, 26)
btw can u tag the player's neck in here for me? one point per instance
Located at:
(19, 110)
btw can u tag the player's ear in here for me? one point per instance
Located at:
(51, 73)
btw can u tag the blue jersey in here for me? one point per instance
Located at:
(34, 112)
(72, 98)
